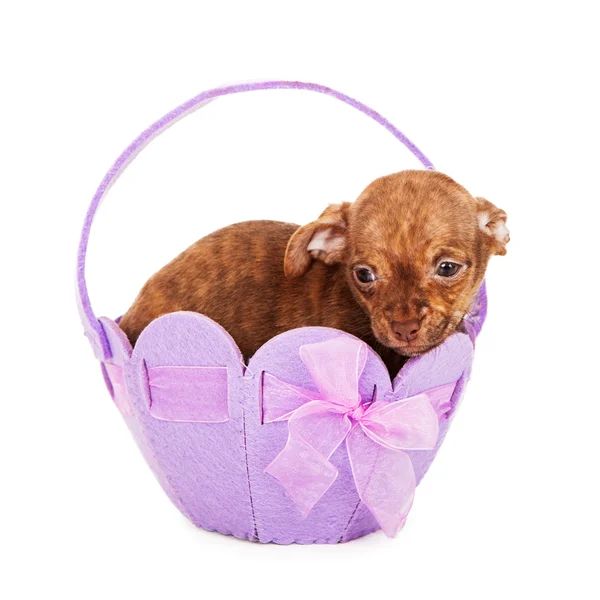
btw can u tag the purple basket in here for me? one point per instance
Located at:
(200, 415)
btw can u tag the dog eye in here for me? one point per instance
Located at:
(364, 275)
(448, 269)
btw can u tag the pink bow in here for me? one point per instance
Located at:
(376, 435)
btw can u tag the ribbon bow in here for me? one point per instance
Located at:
(376, 434)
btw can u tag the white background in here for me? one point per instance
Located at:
(501, 96)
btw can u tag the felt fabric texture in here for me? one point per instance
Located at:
(215, 472)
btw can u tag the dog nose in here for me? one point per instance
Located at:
(407, 330)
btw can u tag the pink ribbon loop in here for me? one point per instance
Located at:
(376, 434)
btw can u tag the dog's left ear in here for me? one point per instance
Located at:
(492, 221)
(323, 239)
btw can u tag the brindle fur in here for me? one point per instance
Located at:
(258, 279)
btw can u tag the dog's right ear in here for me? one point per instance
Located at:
(323, 239)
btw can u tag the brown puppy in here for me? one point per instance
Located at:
(398, 268)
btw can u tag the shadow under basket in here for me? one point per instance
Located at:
(310, 442)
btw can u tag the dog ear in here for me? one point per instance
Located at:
(492, 221)
(323, 239)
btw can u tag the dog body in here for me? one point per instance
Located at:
(236, 277)
(398, 268)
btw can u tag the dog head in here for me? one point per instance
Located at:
(414, 248)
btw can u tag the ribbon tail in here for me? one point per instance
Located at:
(384, 478)
(304, 474)
(303, 467)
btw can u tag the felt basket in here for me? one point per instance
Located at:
(233, 444)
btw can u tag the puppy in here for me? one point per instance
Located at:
(398, 268)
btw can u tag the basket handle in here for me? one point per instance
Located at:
(92, 326)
